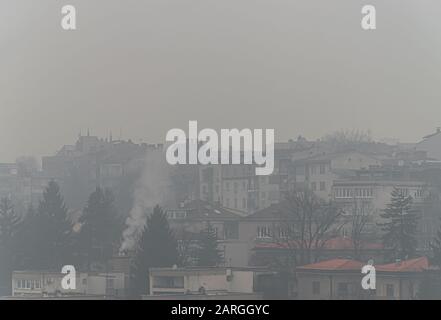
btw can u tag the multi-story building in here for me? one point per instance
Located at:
(9, 180)
(195, 216)
(236, 186)
(431, 144)
(319, 172)
(94, 162)
(368, 191)
(22, 188)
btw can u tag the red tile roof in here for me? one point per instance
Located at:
(339, 243)
(412, 265)
(334, 265)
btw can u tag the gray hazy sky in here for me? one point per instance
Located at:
(298, 66)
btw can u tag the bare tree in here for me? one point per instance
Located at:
(306, 223)
(360, 215)
(348, 138)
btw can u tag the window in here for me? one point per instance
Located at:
(315, 287)
(322, 186)
(110, 283)
(313, 186)
(389, 290)
(403, 191)
(244, 203)
(176, 214)
(283, 232)
(235, 203)
(343, 289)
(418, 193)
(227, 186)
(168, 282)
(263, 232)
(322, 169)
(231, 230)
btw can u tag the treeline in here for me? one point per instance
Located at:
(47, 238)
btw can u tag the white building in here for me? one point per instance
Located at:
(319, 172)
(204, 282)
(48, 284)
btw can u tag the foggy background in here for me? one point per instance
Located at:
(140, 68)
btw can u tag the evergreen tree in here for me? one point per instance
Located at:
(157, 247)
(27, 240)
(43, 238)
(400, 226)
(436, 249)
(9, 223)
(53, 227)
(99, 233)
(208, 253)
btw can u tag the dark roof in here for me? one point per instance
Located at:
(204, 210)
(432, 134)
(273, 211)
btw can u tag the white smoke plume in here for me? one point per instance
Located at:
(153, 188)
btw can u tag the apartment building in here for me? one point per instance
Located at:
(319, 172)
(193, 217)
(368, 191)
(237, 187)
(94, 161)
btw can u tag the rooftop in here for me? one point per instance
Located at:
(412, 265)
(334, 265)
(337, 243)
